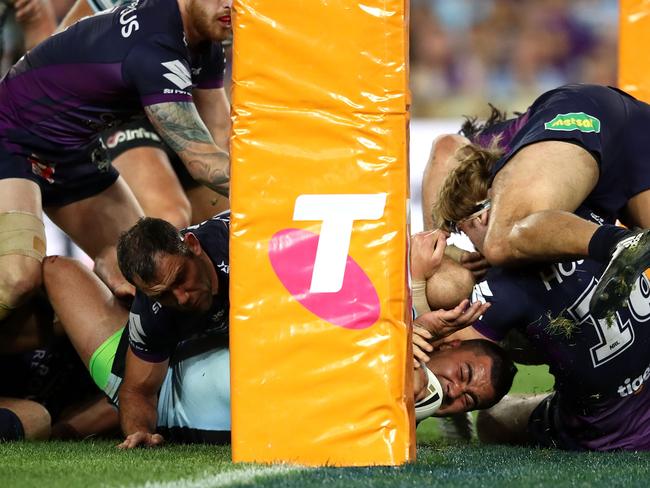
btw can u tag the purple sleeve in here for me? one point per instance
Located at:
(159, 71)
(508, 305)
(151, 335)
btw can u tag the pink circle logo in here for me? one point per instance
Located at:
(355, 306)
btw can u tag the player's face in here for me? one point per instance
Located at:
(475, 227)
(464, 377)
(211, 18)
(182, 282)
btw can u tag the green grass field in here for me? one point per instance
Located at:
(99, 463)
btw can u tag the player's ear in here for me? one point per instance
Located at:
(485, 217)
(449, 345)
(192, 243)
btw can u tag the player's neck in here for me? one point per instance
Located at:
(192, 37)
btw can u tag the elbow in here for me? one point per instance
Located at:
(505, 247)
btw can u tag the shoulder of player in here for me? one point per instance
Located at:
(144, 305)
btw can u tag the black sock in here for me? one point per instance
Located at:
(602, 243)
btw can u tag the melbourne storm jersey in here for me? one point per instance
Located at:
(155, 331)
(100, 72)
(592, 360)
(607, 122)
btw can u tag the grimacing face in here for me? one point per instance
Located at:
(211, 18)
(465, 379)
(182, 282)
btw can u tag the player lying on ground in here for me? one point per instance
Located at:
(191, 402)
(600, 367)
(141, 59)
(467, 376)
(45, 388)
(576, 145)
(181, 282)
(155, 173)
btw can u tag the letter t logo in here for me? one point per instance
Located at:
(337, 212)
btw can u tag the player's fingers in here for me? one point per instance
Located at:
(26, 8)
(422, 332)
(454, 313)
(155, 440)
(475, 313)
(440, 244)
(128, 443)
(419, 354)
(421, 343)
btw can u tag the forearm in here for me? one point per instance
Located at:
(38, 23)
(137, 412)
(183, 130)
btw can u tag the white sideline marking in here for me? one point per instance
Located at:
(226, 478)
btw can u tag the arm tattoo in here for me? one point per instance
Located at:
(180, 125)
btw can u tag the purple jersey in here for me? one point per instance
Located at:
(600, 369)
(98, 73)
(607, 122)
(155, 331)
(505, 131)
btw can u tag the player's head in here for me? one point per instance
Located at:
(209, 20)
(168, 267)
(464, 199)
(473, 374)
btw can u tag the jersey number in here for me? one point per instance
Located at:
(615, 336)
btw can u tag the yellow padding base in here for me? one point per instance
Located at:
(22, 233)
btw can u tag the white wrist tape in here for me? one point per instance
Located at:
(420, 302)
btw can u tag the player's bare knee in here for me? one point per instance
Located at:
(19, 281)
(34, 419)
(54, 267)
(179, 216)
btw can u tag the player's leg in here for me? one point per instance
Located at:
(507, 422)
(150, 176)
(95, 224)
(92, 317)
(88, 311)
(533, 198)
(22, 242)
(29, 327)
(205, 203)
(637, 211)
(194, 401)
(95, 416)
(439, 165)
(23, 420)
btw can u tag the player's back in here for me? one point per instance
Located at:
(82, 80)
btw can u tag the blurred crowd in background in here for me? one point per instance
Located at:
(464, 53)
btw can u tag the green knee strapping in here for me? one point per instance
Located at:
(101, 362)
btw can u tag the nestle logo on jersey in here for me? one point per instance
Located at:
(574, 121)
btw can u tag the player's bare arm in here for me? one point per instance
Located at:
(138, 400)
(79, 10)
(181, 127)
(214, 109)
(442, 323)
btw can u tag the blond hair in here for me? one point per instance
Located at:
(467, 184)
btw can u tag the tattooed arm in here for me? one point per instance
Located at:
(214, 108)
(181, 127)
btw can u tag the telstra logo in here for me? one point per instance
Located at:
(317, 269)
